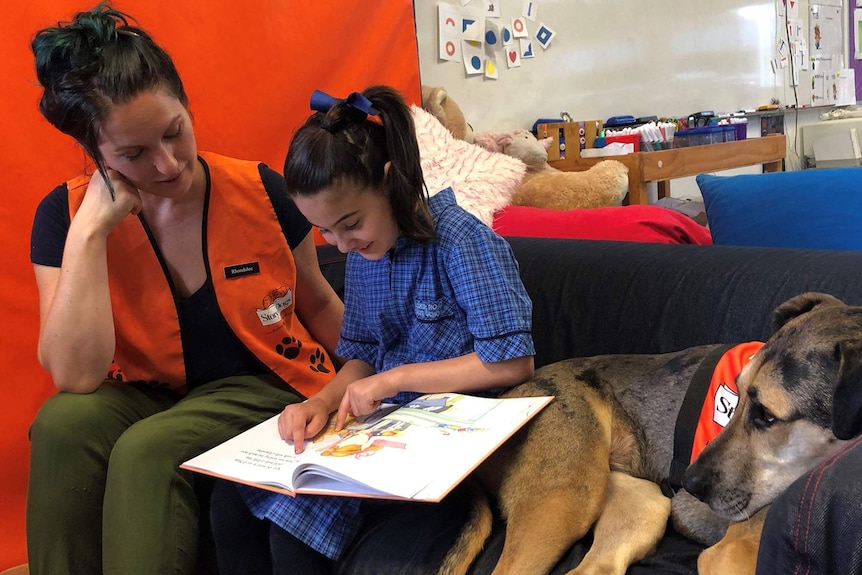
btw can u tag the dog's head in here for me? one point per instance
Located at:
(786, 420)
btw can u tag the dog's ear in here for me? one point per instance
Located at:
(847, 395)
(801, 304)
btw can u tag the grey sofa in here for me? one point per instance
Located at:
(597, 297)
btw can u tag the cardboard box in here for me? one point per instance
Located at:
(568, 137)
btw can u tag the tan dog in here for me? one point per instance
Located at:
(736, 552)
(593, 459)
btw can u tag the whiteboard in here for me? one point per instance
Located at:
(618, 57)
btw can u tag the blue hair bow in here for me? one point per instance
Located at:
(322, 102)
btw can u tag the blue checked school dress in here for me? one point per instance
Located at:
(422, 302)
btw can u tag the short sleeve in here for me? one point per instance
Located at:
(484, 276)
(50, 227)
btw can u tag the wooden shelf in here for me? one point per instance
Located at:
(665, 165)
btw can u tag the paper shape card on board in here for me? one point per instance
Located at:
(506, 35)
(491, 67)
(783, 60)
(492, 8)
(519, 28)
(448, 33)
(473, 28)
(787, 8)
(513, 57)
(801, 52)
(529, 11)
(818, 90)
(544, 35)
(526, 47)
(793, 8)
(844, 87)
(492, 37)
(474, 58)
(826, 36)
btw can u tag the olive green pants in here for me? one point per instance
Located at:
(106, 494)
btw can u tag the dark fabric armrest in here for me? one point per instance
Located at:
(594, 297)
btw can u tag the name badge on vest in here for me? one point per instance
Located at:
(241, 270)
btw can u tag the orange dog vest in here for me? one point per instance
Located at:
(253, 275)
(722, 395)
(709, 403)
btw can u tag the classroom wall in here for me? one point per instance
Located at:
(615, 57)
(618, 57)
(248, 67)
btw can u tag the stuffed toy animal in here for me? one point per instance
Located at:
(543, 186)
(440, 104)
(604, 184)
(520, 144)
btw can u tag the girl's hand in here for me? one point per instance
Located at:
(363, 396)
(102, 211)
(301, 420)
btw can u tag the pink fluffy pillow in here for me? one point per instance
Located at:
(483, 181)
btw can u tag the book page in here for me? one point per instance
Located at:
(417, 451)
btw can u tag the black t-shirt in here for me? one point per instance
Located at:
(211, 349)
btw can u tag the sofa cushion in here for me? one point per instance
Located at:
(483, 181)
(623, 223)
(819, 209)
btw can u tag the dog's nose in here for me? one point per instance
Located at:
(694, 481)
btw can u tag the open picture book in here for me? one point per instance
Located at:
(417, 451)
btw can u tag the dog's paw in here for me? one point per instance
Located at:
(694, 519)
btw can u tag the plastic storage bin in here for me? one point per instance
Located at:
(704, 135)
(741, 130)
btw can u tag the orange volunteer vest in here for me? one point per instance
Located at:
(253, 274)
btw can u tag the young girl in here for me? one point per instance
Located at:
(433, 303)
(146, 262)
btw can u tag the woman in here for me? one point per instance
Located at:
(193, 273)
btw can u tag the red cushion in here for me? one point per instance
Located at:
(624, 223)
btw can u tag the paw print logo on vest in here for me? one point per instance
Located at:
(318, 361)
(115, 373)
(289, 347)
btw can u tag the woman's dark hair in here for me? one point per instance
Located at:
(346, 145)
(92, 63)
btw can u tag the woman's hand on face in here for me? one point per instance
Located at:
(300, 420)
(104, 211)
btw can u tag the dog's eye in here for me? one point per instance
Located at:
(761, 417)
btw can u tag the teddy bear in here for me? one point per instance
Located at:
(440, 104)
(603, 184)
(543, 186)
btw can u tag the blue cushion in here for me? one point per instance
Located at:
(819, 209)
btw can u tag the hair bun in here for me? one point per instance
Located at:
(97, 60)
(72, 50)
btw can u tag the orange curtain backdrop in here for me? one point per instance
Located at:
(249, 68)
